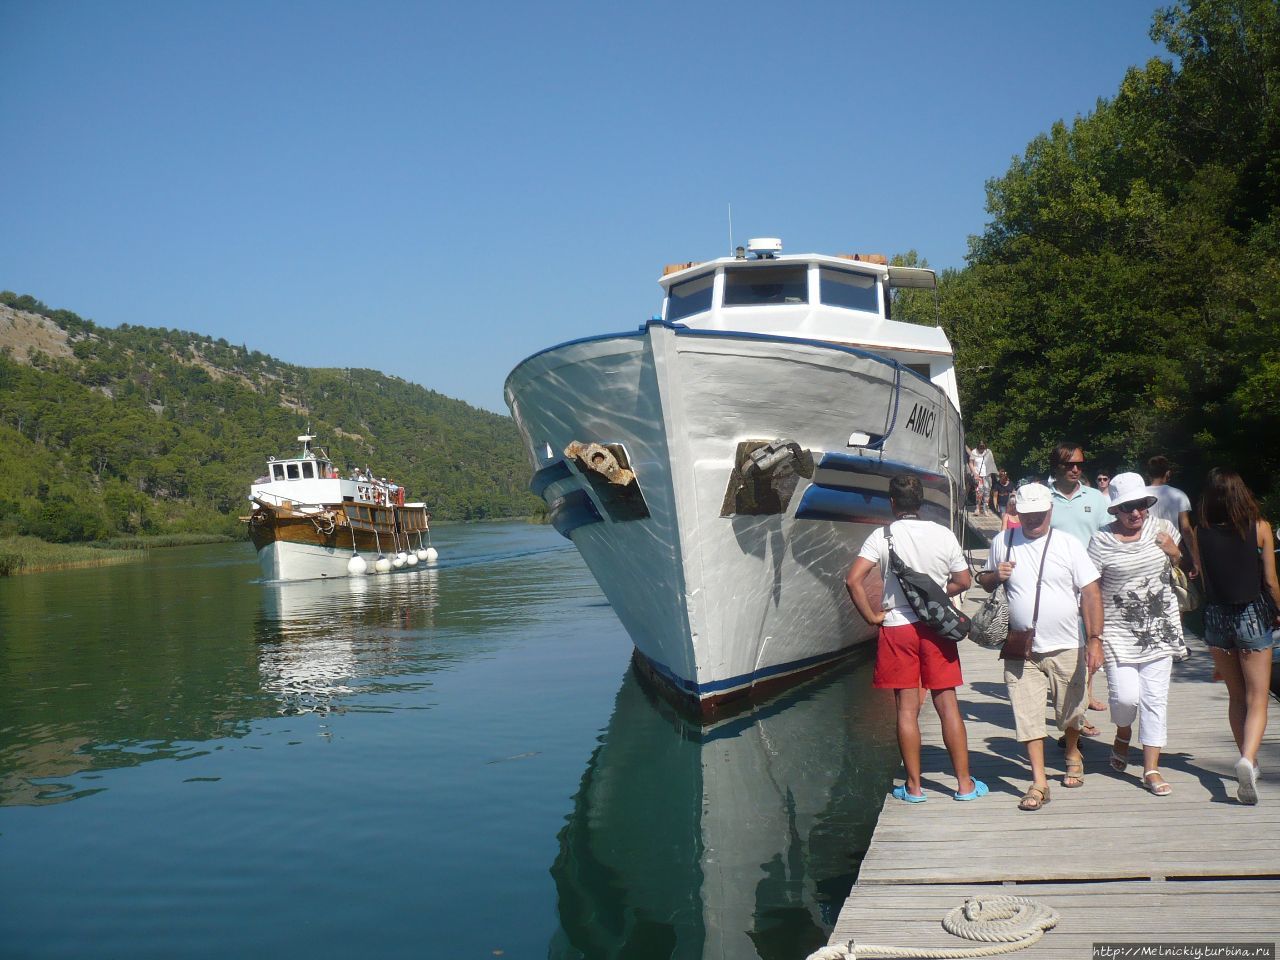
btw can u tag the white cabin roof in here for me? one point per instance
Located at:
(815, 316)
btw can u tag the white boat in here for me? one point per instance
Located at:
(719, 467)
(308, 522)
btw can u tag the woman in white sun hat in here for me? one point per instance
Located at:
(1142, 631)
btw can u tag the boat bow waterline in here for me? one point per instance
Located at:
(719, 467)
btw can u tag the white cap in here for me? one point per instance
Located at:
(1033, 498)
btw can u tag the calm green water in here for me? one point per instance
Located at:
(446, 763)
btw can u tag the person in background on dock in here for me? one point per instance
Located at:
(982, 465)
(1102, 483)
(1059, 662)
(1081, 511)
(1010, 519)
(1175, 506)
(1001, 492)
(910, 655)
(1171, 503)
(1135, 554)
(1242, 607)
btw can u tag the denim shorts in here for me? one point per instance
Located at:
(1238, 626)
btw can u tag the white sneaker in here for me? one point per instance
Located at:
(1247, 778)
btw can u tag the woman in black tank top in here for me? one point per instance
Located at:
(1238, 566)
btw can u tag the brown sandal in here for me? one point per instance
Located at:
(1075, 771)
(1034, 798)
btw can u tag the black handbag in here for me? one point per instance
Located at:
(929, 601)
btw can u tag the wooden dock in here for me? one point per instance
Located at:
(1118, 864)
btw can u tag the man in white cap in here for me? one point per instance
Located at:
(1049, 580)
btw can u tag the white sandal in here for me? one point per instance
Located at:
(1161, 789)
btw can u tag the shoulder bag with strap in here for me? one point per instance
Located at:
(990, 624)
(1017, 646)
(929, 601)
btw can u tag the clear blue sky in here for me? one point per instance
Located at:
(437, 190)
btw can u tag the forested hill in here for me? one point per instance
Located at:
(142, 430)
(1126, 291)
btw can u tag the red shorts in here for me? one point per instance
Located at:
(912, 655)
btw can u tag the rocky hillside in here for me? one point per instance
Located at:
(109, 431)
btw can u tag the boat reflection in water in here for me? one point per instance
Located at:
(736, 840)
(320, 640)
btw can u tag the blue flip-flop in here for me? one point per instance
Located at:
(979, 790)
(901, 794)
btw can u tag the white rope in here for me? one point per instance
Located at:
(1007, 923)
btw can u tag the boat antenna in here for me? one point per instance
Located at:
(731, 228)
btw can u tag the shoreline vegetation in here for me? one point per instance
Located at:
(24, 554)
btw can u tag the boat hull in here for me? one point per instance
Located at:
(307, 548)
(728, 597)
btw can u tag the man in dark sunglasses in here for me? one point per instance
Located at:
(1078, 509)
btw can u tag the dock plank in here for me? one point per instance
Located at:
(1115, 861)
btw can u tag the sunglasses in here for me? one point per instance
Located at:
(1131, 508)
(1103, 477)
(1073, 463)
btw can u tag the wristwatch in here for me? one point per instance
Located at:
(1096, 636)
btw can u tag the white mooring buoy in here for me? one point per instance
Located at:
(357, 566)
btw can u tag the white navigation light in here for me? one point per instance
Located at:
(765, 248)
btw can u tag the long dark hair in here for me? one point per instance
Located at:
(1226, 500)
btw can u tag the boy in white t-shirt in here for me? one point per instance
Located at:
(911, 655)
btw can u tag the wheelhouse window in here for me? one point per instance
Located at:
(277, 471)
(308, 471)
(692, 296)
(293, 471)
(845, 288)
(761, 286)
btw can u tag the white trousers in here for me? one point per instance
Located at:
(1141, 691)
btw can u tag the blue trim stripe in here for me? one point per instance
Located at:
(858, 506)
(847, 506)
(572, 511)
(852, 463)
(551, 473)
(705, 689)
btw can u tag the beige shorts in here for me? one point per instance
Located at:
(1059, 677)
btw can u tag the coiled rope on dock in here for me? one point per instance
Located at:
(1006, 923)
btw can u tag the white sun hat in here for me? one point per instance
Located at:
(1130, 488)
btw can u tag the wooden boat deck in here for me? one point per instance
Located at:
(1117, 863)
